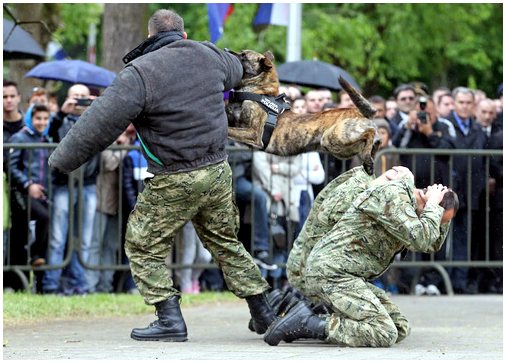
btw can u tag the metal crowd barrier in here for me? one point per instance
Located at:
(336, 167)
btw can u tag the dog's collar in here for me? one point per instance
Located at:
(276, 105)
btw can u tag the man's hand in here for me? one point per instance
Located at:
(69, 106)
(425, 128)
(435, 193)
(36, 191)
(412, 119)
(277, 196)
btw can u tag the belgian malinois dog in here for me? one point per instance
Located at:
(343, 133)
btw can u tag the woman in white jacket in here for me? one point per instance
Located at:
(288, 180)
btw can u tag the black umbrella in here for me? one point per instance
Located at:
(314, 74)
(19, 44)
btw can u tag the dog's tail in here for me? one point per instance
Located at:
(362, 104)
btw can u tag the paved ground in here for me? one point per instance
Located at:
(443, 328)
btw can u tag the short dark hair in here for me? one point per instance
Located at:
(440, 98)
(376, 99)
(38, 107)
(8, 83)
(404, 87)
(450, 201)
(164, 20)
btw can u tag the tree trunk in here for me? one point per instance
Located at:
(124, 26)
(17, 68)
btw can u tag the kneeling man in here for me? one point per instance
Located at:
(384, 220)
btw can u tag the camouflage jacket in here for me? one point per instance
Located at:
(381, 222)
(328, 208)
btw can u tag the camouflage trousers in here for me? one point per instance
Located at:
(364, 316)
(293, 269)
(167, 202)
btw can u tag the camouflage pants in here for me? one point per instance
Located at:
(293, 268)
(165, 205)
(364, 315)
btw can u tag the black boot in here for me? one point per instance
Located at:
(273, 298)
(299, 322)
(261, 312)
(290, 299)
(321, 309)
(170, 326)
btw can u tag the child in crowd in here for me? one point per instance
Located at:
(30, 176)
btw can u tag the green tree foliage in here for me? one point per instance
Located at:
(380, 45)
(383, 45)
(75, 20)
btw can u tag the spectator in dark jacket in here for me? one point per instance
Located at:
(30, 175)
(469, 135)
(495, 142)
(15, 239)
(426, 131)
(490, 280)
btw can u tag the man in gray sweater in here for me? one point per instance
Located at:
(172, 91)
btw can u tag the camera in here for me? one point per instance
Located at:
(83, 101)
(422, 115)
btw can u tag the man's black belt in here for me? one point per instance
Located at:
(274, 106)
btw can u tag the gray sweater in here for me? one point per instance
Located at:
(174, 98)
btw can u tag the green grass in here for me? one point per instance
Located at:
(23, 308)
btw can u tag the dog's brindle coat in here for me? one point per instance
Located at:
(340, 132)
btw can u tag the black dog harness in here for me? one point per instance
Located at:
(274, 106)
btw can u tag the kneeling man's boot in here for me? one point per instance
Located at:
(261, 312)
(273, 298)
(170, 326)
(299, 322)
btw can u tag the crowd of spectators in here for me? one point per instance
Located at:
(274, 194)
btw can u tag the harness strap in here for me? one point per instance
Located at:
(274, 106)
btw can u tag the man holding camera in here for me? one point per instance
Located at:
(78, 99)
(422, 129)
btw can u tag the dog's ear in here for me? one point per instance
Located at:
(269, 55)
(267, 61)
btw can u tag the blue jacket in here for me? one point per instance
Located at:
(135, 168)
